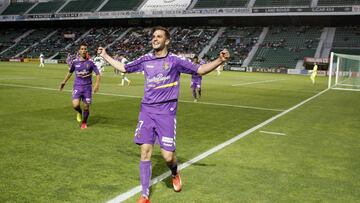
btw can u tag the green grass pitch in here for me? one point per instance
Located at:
(46, 157)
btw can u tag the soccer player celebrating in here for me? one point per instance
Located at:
(82, 89)
(195, 83)
(157, 118)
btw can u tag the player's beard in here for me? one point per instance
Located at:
(83, 55)
(159, 47)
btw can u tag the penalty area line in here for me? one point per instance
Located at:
(124, 196)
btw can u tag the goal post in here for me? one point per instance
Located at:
(344, 72)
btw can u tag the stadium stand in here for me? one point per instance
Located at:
(191, 40)
(17, 8)
(285, 46)
(281, 3)
(121, 5)
(55, 43)
(220, 3)
(8, 37)
(337, 2)
(95, 38)
(134, 44)
(81, 6)
(46, 7)
(25, 43)
(238, 40)
(347, 40)
(282, 46)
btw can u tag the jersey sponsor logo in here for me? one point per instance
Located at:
(158, 78)
(149, 66)
(83, 74)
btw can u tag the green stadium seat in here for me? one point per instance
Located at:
(47, 7)
(121, 5)
(284, 46)
(81, 6)
(17, 8)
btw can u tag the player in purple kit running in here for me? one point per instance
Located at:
(82, 89)
(157, 117)
(196, 79)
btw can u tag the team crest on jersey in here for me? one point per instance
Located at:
(166, 66)
(87, 65)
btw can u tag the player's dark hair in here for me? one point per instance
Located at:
(167, 33)
(83, 44)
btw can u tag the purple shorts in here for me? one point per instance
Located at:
(82, 92)
(195, 85)
(159, 128)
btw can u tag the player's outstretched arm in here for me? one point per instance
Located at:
(116, 64)
(206, 68)
(97, 82)
(62, 84)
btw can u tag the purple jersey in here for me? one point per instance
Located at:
(162, 83)
(196, 81)
(83, 71)
(196, 78)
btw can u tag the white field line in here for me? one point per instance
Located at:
(124, 196)
(263, 81)
(18, 78)
(236, 106)
(338, 88)
(271, 133)
(132, 96)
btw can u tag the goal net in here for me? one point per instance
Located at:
(344, 72)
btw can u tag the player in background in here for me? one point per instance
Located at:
(195, 83)
(82, 89)
(116, 71)
(219, 69)
(41, 59)
(313, 73)
(99, 62)
(123, 60)
(157, 117)
(69, 59)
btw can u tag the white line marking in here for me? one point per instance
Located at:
(237, 106)
(338, 88)
(272, 133)
(250, 83)
(137, 189)
(139, 97)
(14, 78)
